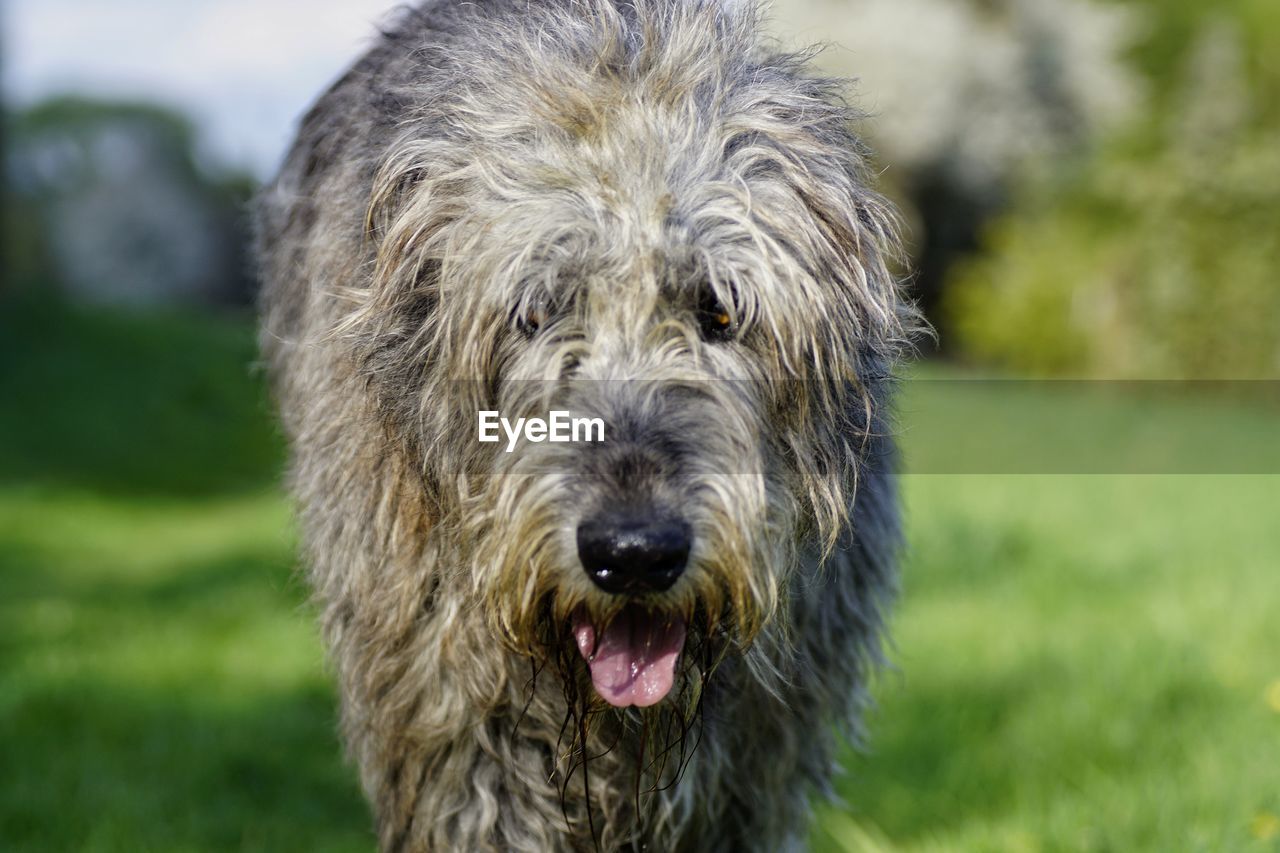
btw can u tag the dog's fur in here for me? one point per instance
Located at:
(509, 205)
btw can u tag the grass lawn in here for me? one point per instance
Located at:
(1082, 662)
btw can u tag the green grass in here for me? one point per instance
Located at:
(1083, 663)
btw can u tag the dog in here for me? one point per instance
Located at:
(639, 214)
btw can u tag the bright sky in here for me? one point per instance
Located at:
(244, 70)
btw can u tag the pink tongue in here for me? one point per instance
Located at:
(635, 659)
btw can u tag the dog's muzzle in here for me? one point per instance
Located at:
(633, 658)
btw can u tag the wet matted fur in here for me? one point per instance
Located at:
(639, 211)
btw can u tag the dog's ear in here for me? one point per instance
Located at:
(396, 329)
(791, 138)
(861, 230)
(849, 320)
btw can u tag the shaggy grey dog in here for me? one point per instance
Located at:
(629, 210)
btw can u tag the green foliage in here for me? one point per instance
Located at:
(1174, 27)
(1158, 256)
(1156, 267)
(1083, 662)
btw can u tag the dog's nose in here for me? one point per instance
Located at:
(634, 555)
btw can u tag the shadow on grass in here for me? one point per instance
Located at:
(92, 765)
(938, 760)
(132, 404)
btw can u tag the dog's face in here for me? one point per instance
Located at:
(680, 245)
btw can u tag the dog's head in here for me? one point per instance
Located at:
(638, 216)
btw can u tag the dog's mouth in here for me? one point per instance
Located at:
(633, 658)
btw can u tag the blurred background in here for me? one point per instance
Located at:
(1087, 653)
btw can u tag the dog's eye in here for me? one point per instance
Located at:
(532, 319)
(715, 321)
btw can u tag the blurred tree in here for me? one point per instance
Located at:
(969, 95)
(1158, 258)
(108, 201)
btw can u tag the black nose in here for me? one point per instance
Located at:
(634, 555)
